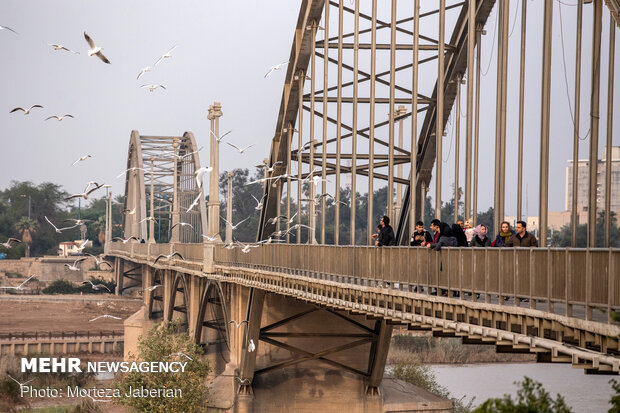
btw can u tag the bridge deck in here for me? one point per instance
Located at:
(556, 302)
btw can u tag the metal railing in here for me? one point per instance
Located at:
(588, 278)
(573, 278)
(62, 335)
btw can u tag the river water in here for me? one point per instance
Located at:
(584, 393)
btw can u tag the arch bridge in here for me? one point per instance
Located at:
(324, 313)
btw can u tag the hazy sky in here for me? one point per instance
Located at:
(224, 49)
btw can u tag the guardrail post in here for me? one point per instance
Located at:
(611, 286)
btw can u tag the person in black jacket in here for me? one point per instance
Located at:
(481, 239)
(421, 236)
(386, 234)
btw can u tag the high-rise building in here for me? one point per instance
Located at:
(583, 185)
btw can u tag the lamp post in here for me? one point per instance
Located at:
(215, 112)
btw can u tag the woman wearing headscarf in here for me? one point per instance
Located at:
(504, 234)
(480, 239)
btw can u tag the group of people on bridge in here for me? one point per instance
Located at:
(461, 234)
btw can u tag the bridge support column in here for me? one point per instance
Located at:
(168, 293)
(378, 356)
(119, 269)
(147, 281)
(193, 308)
(248, 359)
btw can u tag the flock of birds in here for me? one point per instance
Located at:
(92, 186)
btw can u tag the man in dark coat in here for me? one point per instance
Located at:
(522, 238)
(386, 234)
(421, 236)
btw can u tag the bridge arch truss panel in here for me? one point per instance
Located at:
(158, 167)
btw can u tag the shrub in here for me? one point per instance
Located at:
(531, 397)
(615, 399)
(60, 287)
(160, 344)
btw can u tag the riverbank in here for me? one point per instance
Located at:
(426, 349)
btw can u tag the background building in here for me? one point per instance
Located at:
(582, 185)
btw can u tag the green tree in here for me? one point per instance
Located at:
(615, 399)
(26, 227)
(531, 398)
(164, 342)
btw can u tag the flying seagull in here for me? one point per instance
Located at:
(104, 316)
(274, 68)
(95, 50)
(76, 265)
(251, 346)
(133, 168)
(168, 257)
(235, 226)
(81, 158)
(143, 71)
(84, 195)
(59, 118)
(130, 211)
(200, 173)
(183, 224)
(125, 240)
(8, 28)
(153, 287)
(194, 203)
(78, 221)
(8, 242)
(153, 87)
(259, 204)
(221, 137)
(26, 111)
(21, 286)
(96, 287)
(241, 150)
(181, 354)
(98, 261)
(58, 230)
(210, 239)
(165, 56)
(238, 325)
(61, 47)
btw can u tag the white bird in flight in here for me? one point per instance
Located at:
(8, 28)
(81, 158)
(181, 354)
(200, 174)
(259, 204)
(235, 226)
(8, 242)
(59, 118)
(238, 325)
(221, 137)
(153, 87)
(95, 50)
(130, 211)
(76, 265)
(96, 286)
(165, 56)
(210, 239)
(133, 168)
(21, 286)
(26, 111)
(241, 150)
(143, 71)
(104, 316)
(58, 230)
(125, 240)
(183, 224)
(274, 68)
(153, 287)
(98, 261)
(87, 191)
(61, 47)
(194, 203)
(251, 346)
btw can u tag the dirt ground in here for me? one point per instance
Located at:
(37, 315)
